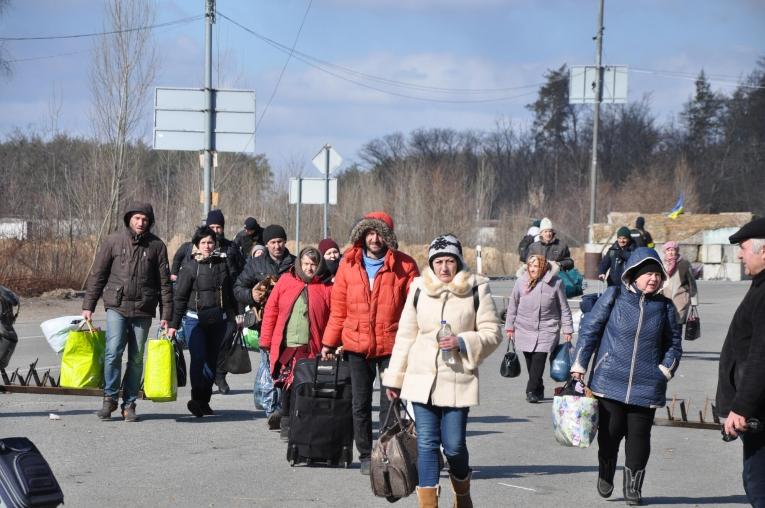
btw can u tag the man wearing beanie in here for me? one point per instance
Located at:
(612, 264)
(741, 382)
(217, 222)
(275, 261)
(641, 237)
(249, 237)
(367, 299)
(553, 249)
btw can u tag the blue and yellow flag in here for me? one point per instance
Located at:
(678, 208)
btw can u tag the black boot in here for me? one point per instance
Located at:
(606, 471)
(110, 405)
(633, 484)
(223, 387)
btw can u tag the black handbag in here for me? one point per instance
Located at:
(238, 358)
(180, 363)
(693, 325)
(210, 315)
(511, 365)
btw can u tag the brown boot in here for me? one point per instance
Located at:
(461, 489)
(428, 496)
(109, 406)
(128, 413)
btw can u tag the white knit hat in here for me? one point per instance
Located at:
(446, 245)
(545, 224)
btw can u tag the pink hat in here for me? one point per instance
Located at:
(670, 245)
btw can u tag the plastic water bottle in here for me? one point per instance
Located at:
(447, 355)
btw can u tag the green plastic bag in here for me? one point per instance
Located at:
(160, 382)
(82, 364)
(251, 339)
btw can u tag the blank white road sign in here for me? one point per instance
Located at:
(313, 191)
(320, 160)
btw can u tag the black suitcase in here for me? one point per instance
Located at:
(26, 480)
(321, 418)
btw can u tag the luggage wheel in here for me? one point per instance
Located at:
(292, 462)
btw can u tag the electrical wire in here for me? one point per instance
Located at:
(46, 57)
(109, 32)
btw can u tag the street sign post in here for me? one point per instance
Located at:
(326, 161)
(311, 191)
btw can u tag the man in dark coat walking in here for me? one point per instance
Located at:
(612, 264)
(741, 382)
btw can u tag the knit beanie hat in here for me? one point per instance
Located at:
(533, 231)
(273, 231)
(535, 223)
(251, 223)
(446, 245)
(387, 219)
(545, 224)
(327, 244)
(624, 231)
(650, 266)
(216, 217)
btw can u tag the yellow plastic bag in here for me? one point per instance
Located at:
(82, 364)
(160, 383)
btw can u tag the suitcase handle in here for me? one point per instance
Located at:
(316, 375)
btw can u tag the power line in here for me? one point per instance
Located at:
(46, 57)
(109, 32)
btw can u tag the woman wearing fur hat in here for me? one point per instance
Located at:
(681, 285)
(538, 311)
(633, 333)
(446, 291)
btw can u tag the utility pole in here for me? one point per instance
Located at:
(326, 190)
(208, 156)
(596, 117)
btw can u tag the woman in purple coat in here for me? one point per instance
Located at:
(537, 313)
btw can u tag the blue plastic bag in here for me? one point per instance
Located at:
(560, 361)
(264, 391)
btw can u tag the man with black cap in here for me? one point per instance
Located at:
(741, 381)
(132, 274)
(274, 262)
(612, 264)
(247, 238)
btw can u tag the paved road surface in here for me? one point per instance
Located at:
(231, 460)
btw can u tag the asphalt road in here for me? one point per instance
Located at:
(232, 460)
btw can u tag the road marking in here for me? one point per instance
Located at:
(516, 486)
(32, 337)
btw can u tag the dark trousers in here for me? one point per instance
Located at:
(754, 468)
(363, 374)
(619, 421)
(535, 365)
(225, 347)
(204, 346)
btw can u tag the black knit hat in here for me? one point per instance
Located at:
(273, 231)
(215, 217)
(649, 266)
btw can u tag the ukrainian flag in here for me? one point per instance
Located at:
(678, 208)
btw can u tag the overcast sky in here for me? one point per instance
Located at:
(430, 56)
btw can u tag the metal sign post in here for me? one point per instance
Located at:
(297, 214)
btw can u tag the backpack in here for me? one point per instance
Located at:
(476, 301)
(523, 247)
(638, 238)
(572, 281)
(8, 337)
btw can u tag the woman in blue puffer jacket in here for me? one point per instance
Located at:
(635, 338)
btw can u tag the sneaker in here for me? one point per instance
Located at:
(366, 467)
(274, 421)
(110, 405)
(128, 413)
(206, 409)
(195, 408)
(223, 387)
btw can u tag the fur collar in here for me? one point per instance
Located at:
(552, 272)
(461, 285)
(364, 225)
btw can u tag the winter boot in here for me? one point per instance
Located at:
(110, 405)
(195, 408)
(633, 484)
(606, 471)
(427, 497)
(206, 409)
(223, 387)
(128, 413)
(461, 490)
(274, 420)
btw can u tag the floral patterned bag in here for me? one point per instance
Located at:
(575, 415)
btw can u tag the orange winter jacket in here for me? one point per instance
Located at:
(365, 321)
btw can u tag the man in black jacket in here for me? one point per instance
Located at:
(552, 247)
(247, 238)
(276, 261)
(741, 382)
(612, 264)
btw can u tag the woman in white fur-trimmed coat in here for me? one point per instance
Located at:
(442, 393)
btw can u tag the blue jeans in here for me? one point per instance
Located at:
(204, 344)
(122, 331)
(754, 468)
(266, 390)
(438, 426)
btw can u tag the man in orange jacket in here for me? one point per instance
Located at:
(367, 299)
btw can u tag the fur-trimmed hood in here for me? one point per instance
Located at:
(365, 224)
(551, 272)
(461, 285)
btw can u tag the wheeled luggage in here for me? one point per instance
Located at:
(321, 418)
(26, 479)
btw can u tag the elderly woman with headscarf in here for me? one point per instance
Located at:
(538, 311)
(633, 333)
(681, 285)
(443, 390)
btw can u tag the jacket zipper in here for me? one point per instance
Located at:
(634, 349)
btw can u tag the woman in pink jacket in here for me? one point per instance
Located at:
(537, 312)
(293, 322)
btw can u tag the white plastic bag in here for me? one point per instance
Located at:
(57, 329)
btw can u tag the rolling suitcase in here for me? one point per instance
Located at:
(26, 480)
(321, 418)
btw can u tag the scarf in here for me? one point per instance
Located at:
(670, 264)
(372, 266)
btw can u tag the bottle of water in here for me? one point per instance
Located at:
(447, 355)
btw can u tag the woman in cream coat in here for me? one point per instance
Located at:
(442, 393)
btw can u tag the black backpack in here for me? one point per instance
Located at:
(523, 247)
(8, 337)
(25, 476)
